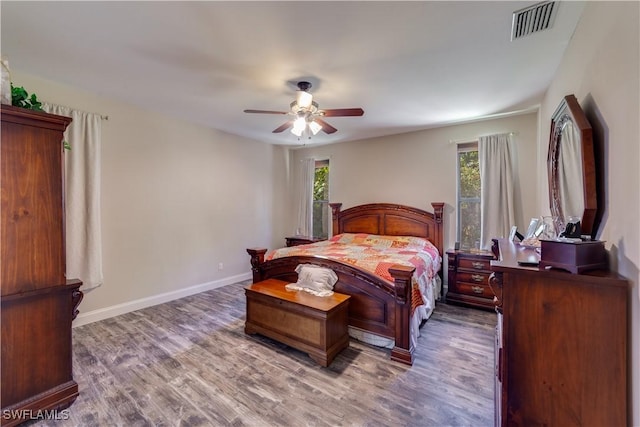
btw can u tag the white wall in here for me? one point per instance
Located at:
(601, 68)
(177, 200)
(418, 168)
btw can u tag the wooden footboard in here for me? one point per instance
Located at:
(377, 305)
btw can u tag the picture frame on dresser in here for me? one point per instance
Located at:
(515, 234)
(532, 230)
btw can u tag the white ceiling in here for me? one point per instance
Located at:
(409, 65)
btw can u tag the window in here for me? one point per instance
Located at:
(468, 195)
(321, 199)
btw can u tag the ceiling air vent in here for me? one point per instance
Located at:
(533, 19)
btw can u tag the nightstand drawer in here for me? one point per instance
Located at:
(476, 290)
(474, 264)
(475, 278)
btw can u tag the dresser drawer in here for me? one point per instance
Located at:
(474, 264)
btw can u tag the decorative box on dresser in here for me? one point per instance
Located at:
(468, 278)
(561, 344)
(38, 302)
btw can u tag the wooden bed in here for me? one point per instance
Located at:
(377, 305)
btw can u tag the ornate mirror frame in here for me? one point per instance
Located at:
(570, 110)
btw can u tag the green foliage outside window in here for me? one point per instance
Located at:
(321, 184)
(469, 214)
(469, 174)
(321, 202)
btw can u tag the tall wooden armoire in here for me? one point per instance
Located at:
(38, 302)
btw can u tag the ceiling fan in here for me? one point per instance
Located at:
(306, 114)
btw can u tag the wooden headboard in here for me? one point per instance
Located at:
(391, 220)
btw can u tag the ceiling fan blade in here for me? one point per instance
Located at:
(265, 112)
(326, 127)
(337, 112)
(283, 127)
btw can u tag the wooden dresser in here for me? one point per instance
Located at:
(468, 278)
(561, 345)
(38, 302)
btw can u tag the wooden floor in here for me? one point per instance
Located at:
(189, 363)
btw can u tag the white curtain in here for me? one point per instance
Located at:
(305, 197)
(82, 195)
(495, 156)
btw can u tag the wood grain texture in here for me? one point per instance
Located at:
(313, 324)
(277, 289)
(468, 274)
(37, 301)
(564, 354)
(188, 362)
(32, 220)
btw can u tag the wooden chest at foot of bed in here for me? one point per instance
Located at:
(315, 325)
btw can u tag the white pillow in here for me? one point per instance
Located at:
(320, 280)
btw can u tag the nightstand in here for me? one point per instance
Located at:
(301, 240)
(468, 278)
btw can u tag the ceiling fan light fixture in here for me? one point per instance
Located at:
(299, 126)
(314, 127)
(303, 99)
(307, 115)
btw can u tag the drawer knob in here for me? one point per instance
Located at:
(477, 289)
(477, 265)
(477, 278)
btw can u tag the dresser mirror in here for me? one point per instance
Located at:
(571, 167)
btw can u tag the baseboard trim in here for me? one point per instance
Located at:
(127, 307)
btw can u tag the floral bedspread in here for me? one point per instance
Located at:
(377, 254)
